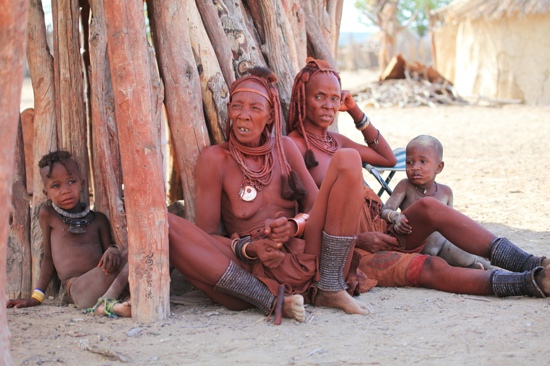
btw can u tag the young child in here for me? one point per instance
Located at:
(77, 244)
(424, 162)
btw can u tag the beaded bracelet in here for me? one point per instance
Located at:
(375, 141)
(300, 221)
(38, 294)
(364, 123)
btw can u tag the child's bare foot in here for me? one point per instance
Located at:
(543, 280)
(341, 300)
(293, 307)
(112, 308)
(124, 309)
(545, 262)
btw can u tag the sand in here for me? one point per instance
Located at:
(495, 163)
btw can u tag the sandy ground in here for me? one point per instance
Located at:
(495, 165)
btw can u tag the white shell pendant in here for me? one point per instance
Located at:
(248, 193)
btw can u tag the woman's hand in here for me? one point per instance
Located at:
(267, 250)
(346, 102)
(374, 242)
(279, 230)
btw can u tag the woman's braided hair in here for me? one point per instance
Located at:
(297, 111)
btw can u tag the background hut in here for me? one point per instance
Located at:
(495, 49)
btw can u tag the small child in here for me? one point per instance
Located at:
(77, 244)
(423, 162)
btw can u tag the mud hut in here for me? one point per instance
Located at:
(495, 49)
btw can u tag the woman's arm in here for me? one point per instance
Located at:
(209, 188)
(377, 151)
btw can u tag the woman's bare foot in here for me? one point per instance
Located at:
(341, 300)
(293, 307)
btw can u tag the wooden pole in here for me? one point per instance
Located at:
(41, 69)
(317, 45)
(69, 86)
(244, 46)
(218, 38)
(214, 90)
(277, 48)
(19, 262)
(13, 28)
(105, 147)
(183, 91)
(144, 193)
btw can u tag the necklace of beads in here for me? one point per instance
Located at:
(424, 192)
(254, 180)
(76, 221)
(327, 144)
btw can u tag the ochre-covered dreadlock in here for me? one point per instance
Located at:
(291, 186)
(60, 156)
(297, 111)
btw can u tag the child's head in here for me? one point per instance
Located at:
(62, 179)
(424, 159)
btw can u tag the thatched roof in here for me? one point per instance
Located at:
(490, 10)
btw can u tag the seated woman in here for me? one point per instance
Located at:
(250, 192)
(394, 260)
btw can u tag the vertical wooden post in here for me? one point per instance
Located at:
(277, 48)
(41, 70)
(106, 152)
(144, 193)
(69, 86)
(19, 262)
(214, 90)
(13, 28)
(217, 37)
(183, 91)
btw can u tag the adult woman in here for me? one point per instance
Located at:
(249, 192)
(393, 260)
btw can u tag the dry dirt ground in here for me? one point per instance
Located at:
(497, 164)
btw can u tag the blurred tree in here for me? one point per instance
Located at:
(417, 10)
(392, 16)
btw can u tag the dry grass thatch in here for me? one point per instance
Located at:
(490, 10)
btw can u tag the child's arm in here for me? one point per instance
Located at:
(46, 267)
(111, 258)
(450, 202)
(397, 200)
(399, 194)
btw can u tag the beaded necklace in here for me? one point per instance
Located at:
(253, 180)
(76, 221)
(326, 144)
(424, 192)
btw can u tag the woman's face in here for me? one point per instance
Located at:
(323, 96)
(249, 112)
